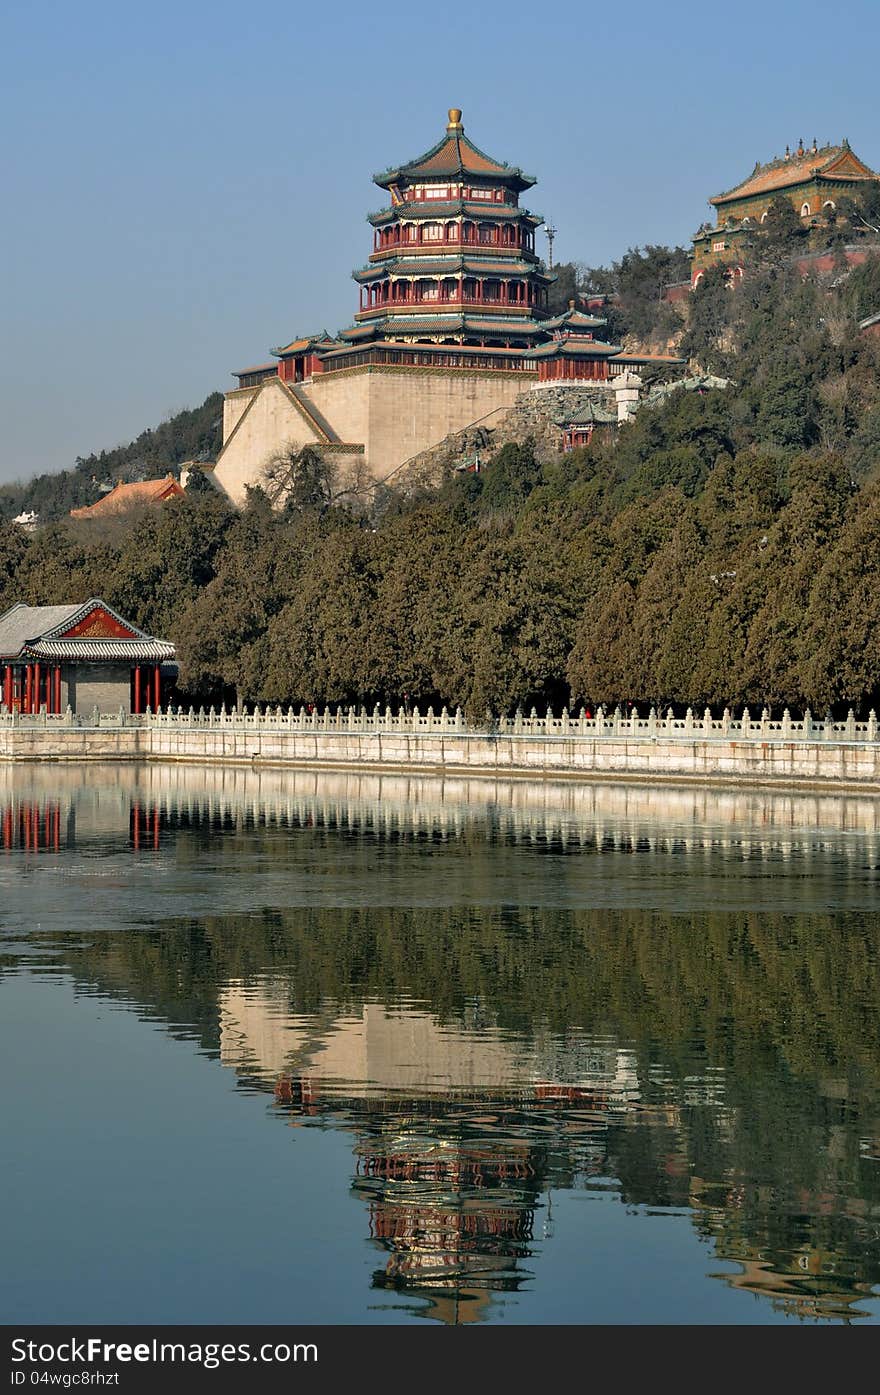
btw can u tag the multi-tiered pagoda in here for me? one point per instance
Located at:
(454, 323)
(453, 260)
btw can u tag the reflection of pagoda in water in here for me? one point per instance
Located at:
(452, 1127)
(454, 1216)
(461, 1130)
(453, 1184)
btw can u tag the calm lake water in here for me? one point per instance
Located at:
(289, 1047)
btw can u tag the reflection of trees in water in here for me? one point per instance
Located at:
(816, 1262)
(755, 1042)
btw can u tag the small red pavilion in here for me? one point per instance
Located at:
(83, 655)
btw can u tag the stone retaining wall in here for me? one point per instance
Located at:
(828, 761)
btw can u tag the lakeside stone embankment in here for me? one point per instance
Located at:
(781, 752)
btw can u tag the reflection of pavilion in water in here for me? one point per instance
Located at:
(134, 802)
(39, 823)
(811, 1280)
(33, 825)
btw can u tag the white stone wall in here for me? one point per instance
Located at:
(833, 760)
(399, 412)
(235, 404)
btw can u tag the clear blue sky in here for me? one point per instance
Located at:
(185, 183)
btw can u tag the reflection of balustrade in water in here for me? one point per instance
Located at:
(753, 824)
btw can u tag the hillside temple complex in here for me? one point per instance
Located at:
(811, 179)
(453, 325)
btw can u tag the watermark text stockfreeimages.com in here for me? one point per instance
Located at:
(97, 1351)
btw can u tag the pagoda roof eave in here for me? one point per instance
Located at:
(441, 324)
(454, 154)
(439, 266)
(450, 207)
(435, 348)
(576, 348)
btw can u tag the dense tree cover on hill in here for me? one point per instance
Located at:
(192, 434)
(725, 549)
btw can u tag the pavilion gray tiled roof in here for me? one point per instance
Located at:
(156, 650)
(37, 631)
(24, 622)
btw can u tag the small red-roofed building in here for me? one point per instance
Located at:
(131, 496)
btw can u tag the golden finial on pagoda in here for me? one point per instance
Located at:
(454, 120)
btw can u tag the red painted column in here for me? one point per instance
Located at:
(157, 692)
(137, 688)
(7, 687)
(57, 702)
(28, 688)
(36, 689)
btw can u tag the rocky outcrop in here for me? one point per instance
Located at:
(535, 415)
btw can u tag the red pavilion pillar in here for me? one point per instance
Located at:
(7, 687)
(157, 692)
(56, 702)
(36, 688)
(28, 688)
(137, 688)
